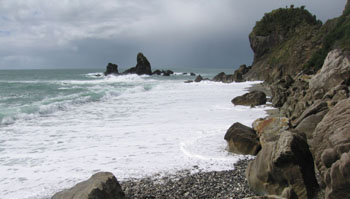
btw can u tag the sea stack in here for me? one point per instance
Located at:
(143, 67)
(111, 69)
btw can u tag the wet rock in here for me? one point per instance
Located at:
(222, 77)
(283, 168)
(192, 74)
(188, 81)
(198, 78)
(143, 67)
(242, 140)
(111, 69)
(253, 98)
(167, 72)
(101, 185)
(157, 72)
(331, 147)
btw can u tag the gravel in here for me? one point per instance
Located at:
(216, 184)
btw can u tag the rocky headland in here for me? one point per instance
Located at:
(302, 150)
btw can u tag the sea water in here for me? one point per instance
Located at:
(58, 127)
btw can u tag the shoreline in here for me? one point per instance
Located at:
(213, 184)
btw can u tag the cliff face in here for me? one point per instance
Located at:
(283, 41)
(288, 41)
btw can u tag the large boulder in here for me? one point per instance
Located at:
(111, 69)
(101, 185)
(253, 98)
(284, 168)
(242, 140)
(143, 67)
(335, 69)
(331, 148)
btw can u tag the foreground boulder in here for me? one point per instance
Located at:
(253, 98)
(101, 185)
(111, 69)
(242, 140)
(270, 128)
(331, 149)
(284, 168)
(143, 67)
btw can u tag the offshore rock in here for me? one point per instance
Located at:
(331, 148)
(284, 168)
(101, 185)
(222, 77)
(143, 67)
(111, 69)
(253, 98)
(242, 140)
(198, 78)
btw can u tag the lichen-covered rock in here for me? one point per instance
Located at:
(284, 168)
(335, 69)
(242, 140)
(101, 185)
(111, 69)
(270, 128)
(253, 98)
(331, 146)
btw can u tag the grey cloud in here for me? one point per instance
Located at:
(90, 33)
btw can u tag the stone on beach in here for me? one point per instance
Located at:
(253, 98)
(102, 185)
(242, 140)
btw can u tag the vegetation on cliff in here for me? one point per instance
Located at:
(284, 21)
(335, 35)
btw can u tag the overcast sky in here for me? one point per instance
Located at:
(171, 33)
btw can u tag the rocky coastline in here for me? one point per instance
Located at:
(302, 151)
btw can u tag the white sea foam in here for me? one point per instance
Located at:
(152, 127)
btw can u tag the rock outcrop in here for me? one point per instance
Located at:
(336, 68)
(331, 149)
(101, 185)
(282, 48)
(284, 168)
(223, 77)
(242, 140)
(253, 98)
(111, 69)
(143, 67)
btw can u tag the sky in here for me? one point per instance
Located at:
(37, 34)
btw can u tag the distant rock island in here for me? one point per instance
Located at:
(143, 67)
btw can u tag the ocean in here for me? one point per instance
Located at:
(58, 127)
